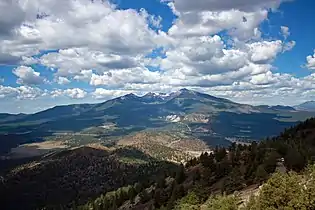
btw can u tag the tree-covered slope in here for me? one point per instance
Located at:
(226, 171)
(72, 177)
(289, 191)
(125, 178)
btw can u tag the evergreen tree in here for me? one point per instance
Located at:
(180, 175)
(157, 198)
(294, 159)
(132, 193)
(222, 203)
(261, 173)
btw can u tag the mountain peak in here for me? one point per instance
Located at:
(156, 97)
(151, 94)
(185, 90)
(129, 96)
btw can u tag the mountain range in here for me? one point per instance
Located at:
(190, 114)
(307, 106)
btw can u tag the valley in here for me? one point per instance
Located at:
(170, 121)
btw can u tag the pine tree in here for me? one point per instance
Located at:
(261, 173)
(180, 175)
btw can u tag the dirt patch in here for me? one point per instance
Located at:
(36, 149)
(98, 146)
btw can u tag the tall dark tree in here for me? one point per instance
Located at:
(180, 174)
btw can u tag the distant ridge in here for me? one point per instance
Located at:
(184, 112)
(306, 106)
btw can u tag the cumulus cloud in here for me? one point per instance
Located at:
(240, 19)
(74, 93)
(213, 46)
(29, 60)
(88, 23)
(310, 61)
(7, 59)
(289, 46)
(202, 55)
(84, 76)
(28, 76)
(118, 78)
(62, 80)
(7, 91)
(21, 92)
(218, 5)
(72, 61)
(242, 25)
(84, 22)
(11, 17)
(285, 31)
(265, 51)
(101, 93)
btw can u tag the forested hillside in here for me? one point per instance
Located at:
(125, 178)
(282, 191)
(72, 177)
(224, 172)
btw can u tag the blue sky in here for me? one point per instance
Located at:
(257, 52)
(299, 17)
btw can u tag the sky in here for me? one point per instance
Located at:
(89, 51)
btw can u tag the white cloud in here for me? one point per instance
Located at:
(84, 22)
(107, 47)
(118, 78)
(204, 61)
(265, 51)
(202, 55)
(25, 92)
(21, 92)
(285, 31)
(263, 79)
(267, 88)
(219, 5)
(72, 61)
(7, 91)
(84, 76)
(240, 19)
(289, 46)
(62, 80)
(29, 60)
(28, 76)
(154, 21)
(242, 25)
(11, 17)
(74, 93)
(88, 23)
(101, 93)
(310, 61)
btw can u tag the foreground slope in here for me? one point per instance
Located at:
(72, 177)
(240, 169)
